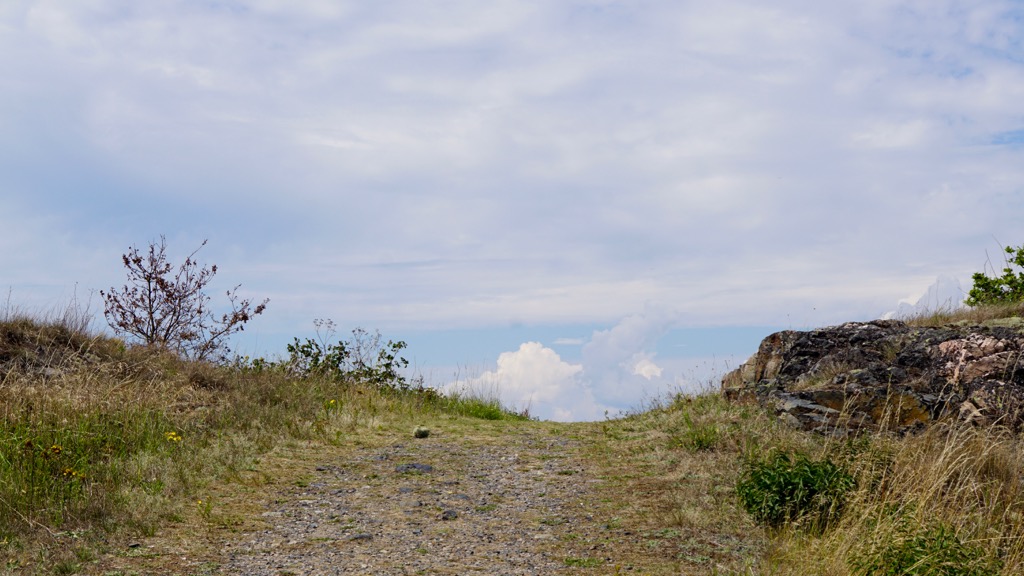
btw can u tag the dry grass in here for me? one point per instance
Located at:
(958, 481)
(978, 315)
(679, 463)
(952, 494)
(102, 443)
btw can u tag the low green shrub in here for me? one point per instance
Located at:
(1005, 289)
(782, 489)
(363, 358)
(931, 551)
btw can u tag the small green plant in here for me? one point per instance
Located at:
(204, 508)
(698, 437)
(1005, 289)
(583, 562)
(472, 404)
(483, 409)
(932, 551)
(783, 489)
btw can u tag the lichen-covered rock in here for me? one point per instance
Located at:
(886, 375)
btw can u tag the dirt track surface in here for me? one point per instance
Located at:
(520, 504)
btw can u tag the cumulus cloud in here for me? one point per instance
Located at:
(618, 371)
(400, 165)
(945, 294)
(644, 366)
(620, 363)
(536, 379)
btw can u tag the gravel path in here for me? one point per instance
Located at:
(433, 506)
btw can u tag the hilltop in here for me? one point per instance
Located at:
(117, 459)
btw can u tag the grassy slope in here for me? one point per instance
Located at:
(106, 448)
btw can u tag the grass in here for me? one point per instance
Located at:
(101, 443)
(103, 446)
(1000, 313)
(583, 562)
(949, 500)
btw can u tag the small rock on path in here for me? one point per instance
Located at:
(508, 505)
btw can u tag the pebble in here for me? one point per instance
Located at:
(401, 468)
(386, 534)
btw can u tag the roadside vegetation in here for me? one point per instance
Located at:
(102, 442)
(744, 494)
(107, 443)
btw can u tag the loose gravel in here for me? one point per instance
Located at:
(437, 505)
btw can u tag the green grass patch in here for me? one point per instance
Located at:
(934, 550)
(583, 562)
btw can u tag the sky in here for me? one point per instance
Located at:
(577, 205)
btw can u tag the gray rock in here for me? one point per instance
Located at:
(421, 468)
(886, 375)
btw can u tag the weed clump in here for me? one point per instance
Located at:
(782, 490)
(107, 441)
(934, 550)
(699, 437)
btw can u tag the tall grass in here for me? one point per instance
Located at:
(976, 315)
(946, 501)
(99, 439)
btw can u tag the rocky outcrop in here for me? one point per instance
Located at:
(886, 375)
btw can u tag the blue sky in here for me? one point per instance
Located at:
(581, 204)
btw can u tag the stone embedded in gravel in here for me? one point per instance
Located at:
(449, 515)
(402, 468)
(366, 525)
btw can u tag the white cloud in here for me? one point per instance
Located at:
(945, 294)
(618, 363)
(617, 373)
(404, 165)
(535, 378)
(891, 135)
(644, 366)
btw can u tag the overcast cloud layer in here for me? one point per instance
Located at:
(428, 166)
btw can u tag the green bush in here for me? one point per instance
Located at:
(783, 489)
(935, 551)
(1005, 289)
(364, 358)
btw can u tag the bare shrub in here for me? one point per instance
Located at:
(166, 306)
